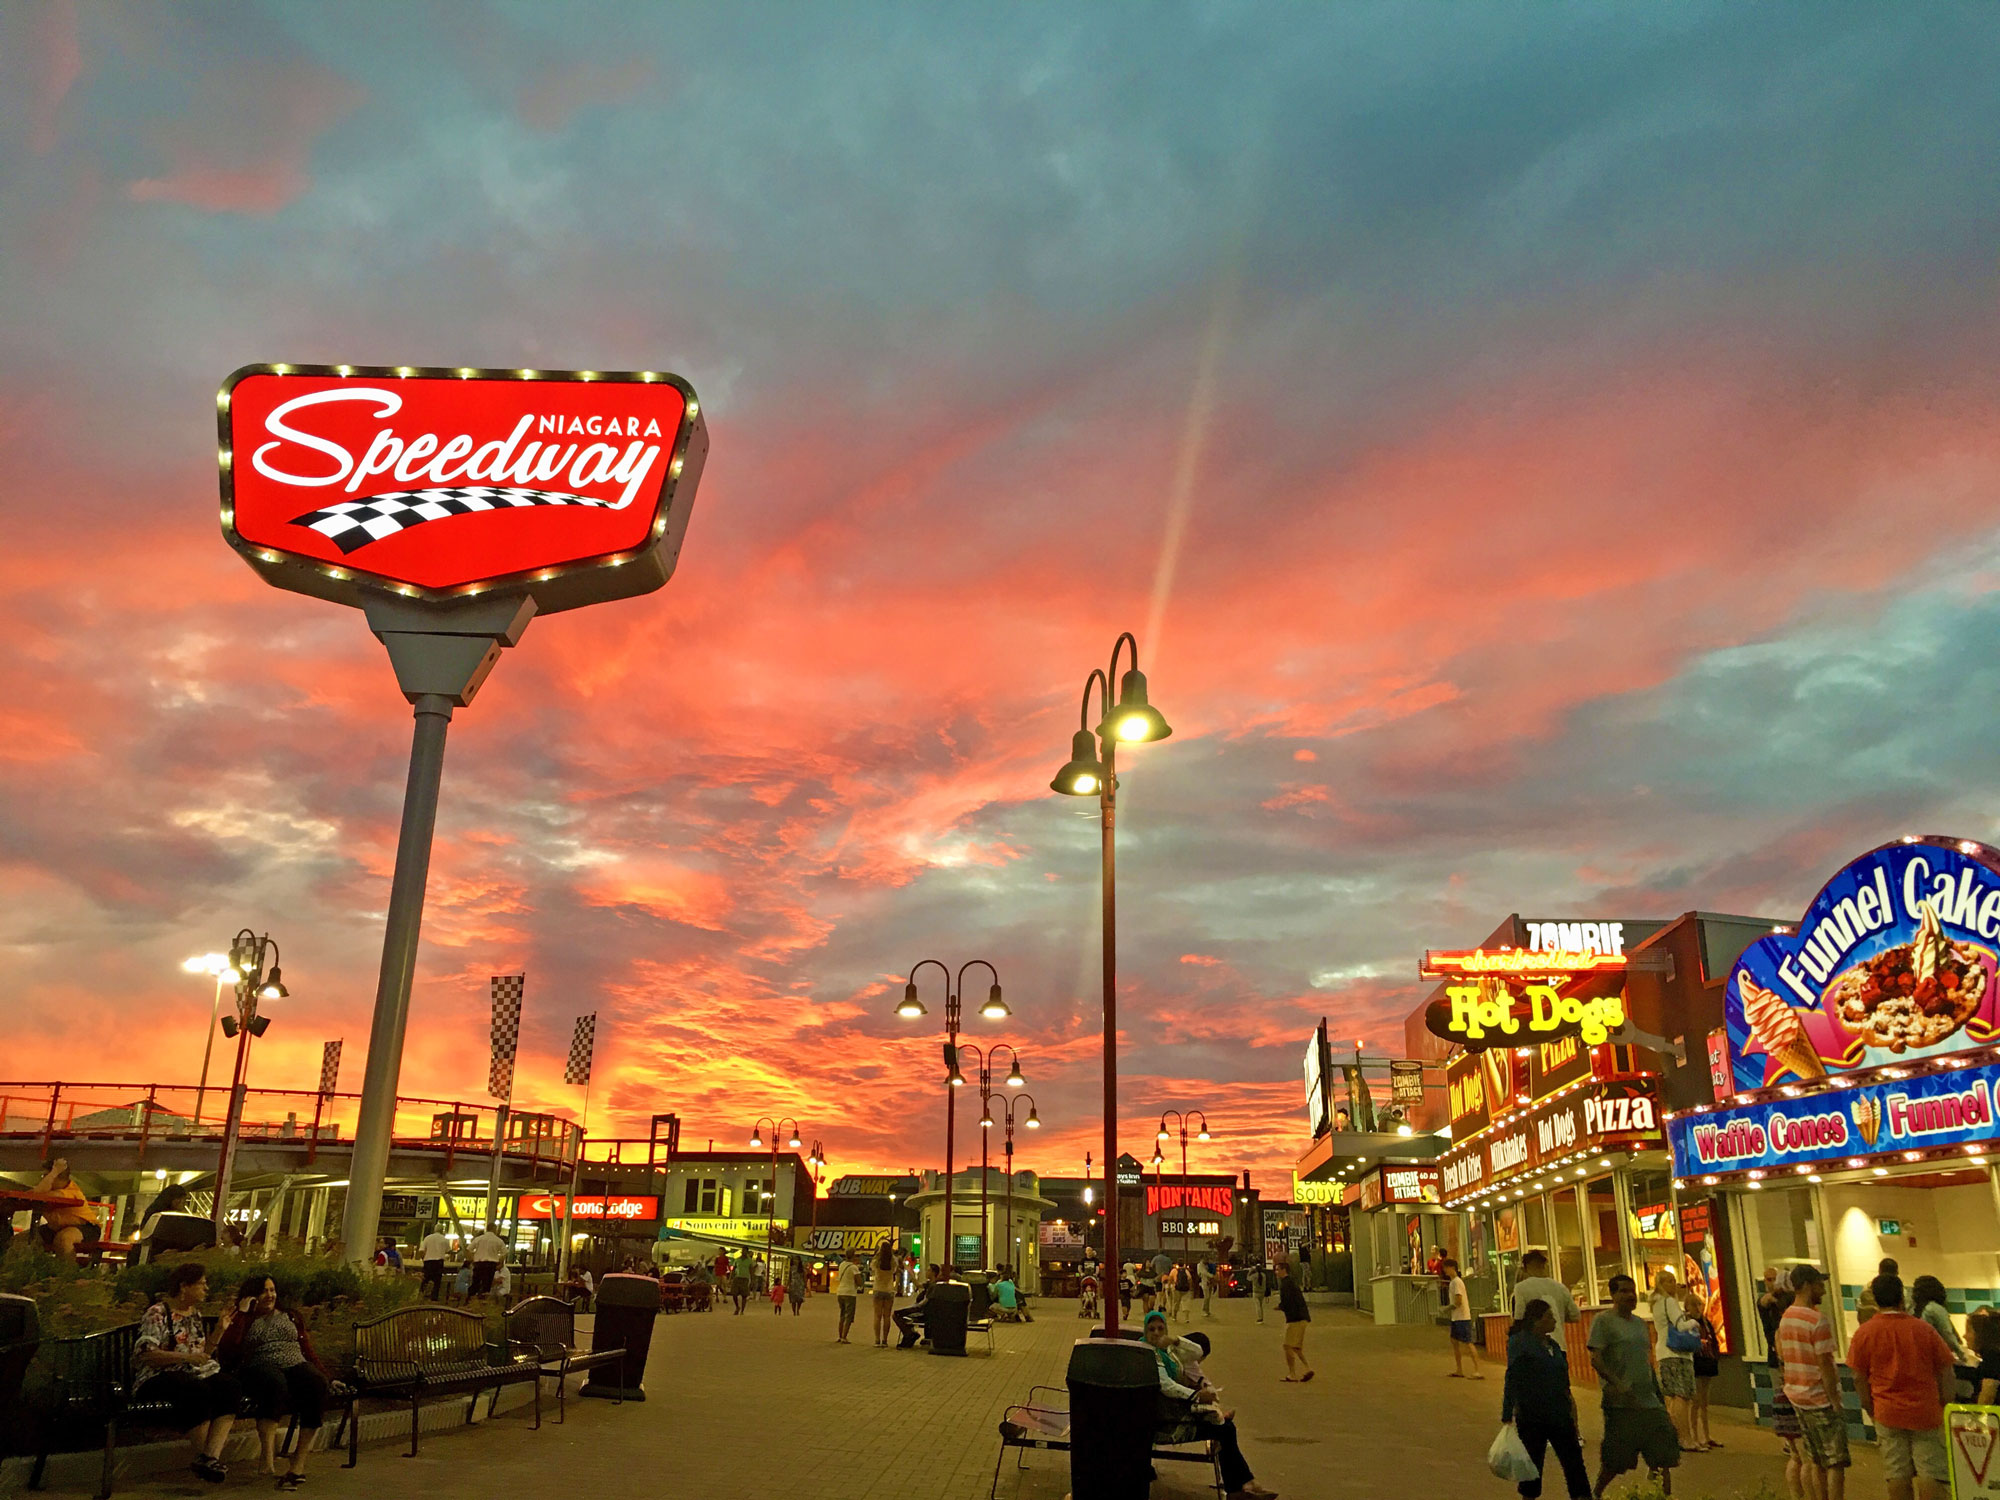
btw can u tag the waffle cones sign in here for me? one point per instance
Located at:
(571, 486)
(1895, 958)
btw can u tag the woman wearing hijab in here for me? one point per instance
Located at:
(1170, 1353)
(1538, 1402)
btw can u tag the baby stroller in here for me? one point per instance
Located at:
(1087, 1303)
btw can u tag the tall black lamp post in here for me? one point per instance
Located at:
(248, 955)
(912, 1008)
(985, 1059)
(1092, 770)
(1202, 1135)
(1033, 1122)
(778, 1127)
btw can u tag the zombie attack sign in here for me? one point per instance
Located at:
(571, 486)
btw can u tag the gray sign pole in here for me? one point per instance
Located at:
(441, 658)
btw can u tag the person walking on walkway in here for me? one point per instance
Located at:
(1208, 1288)
(846, 1289)
(1260, 1287)
(1812, 1385)
(1458, 1306)
(486, 1251)
(795, 1282)
(1292, 1305)
(1536, 1283)
(739, 1281)
(1675, 1339)
(1538, 1402)
(269, 1351)
(1635, 1421)
(884, 1289)
(435, 1248)
(174, 1357)
(1904, 1374)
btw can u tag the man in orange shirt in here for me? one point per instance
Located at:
(1904, 1375)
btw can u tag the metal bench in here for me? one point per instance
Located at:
(416, 1354)
(90, 1386)
(545, 1328)
(1044, 1425)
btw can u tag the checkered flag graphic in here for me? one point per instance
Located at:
(581, 1046)
(506, 1033)
(353, 524)
(329, 1068)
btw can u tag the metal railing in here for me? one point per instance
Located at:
(177, 1114)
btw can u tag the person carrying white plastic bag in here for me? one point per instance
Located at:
(1537, 1410)
(1508, 1457)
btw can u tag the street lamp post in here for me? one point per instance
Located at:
(995, 1009)
(1033, 1122)
(248, 954)
(1014, 1081)
(1203, 1135)
(1092, 768)
(771, 1197)
(218, 968)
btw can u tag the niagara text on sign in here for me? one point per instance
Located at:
(571, 486)
(1213, 1200)
(550, 1206)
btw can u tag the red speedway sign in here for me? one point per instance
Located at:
(570, 485)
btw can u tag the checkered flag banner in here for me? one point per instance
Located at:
(581, 1045)
(353, 524)
(506, 1033)
(329, 1068)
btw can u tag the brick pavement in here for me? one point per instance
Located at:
(770, 1408)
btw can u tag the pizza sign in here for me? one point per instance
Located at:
(571, 486)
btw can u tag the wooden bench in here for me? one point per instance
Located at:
(1044, 1425)
(545, 1329)
(423, 1353)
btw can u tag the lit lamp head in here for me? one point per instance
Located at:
(793, 1142)
(1014, 1078)
(1134, 721)
(986, 1118)
(1083, 776)
(1157, 1157)
(995, 1009)
(912, 1007)
(1034, 1120)
(274, 987)
(1203, 1135)
(952, 1076)
(757, 1140)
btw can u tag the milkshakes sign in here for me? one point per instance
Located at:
(1955, 1107)
(1895, 958)
(435, 485)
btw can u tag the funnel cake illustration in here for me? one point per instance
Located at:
(1775, 1026)
(1867, 1113)
(1915, 994)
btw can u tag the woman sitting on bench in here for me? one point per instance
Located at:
(173, 1360)
(269, 1350)
(1169, 1352)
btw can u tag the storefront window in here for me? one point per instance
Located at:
(1535, 1224)
(1567, 1250)
(1655, 1237)
(1601, 1220)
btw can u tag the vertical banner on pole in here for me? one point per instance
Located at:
(329, 1069)
(581, 1045)
(507, 990)
(582, 1048)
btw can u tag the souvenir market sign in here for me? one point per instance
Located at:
(570, 486)
(1895, 958)
(1951, 1107)
(1620, 1113)
(1316, 1194)
(730, 1229)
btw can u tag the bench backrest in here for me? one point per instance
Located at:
(414, 1341)
(545, 1324)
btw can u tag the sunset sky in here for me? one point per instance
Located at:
(1548, 455)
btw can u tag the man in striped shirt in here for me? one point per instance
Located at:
(1812, 1384)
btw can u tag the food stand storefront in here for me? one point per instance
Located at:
(1855, 1088)
(1397, 1216)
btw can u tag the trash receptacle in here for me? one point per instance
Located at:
(626, 1308)
(1114, 1401)
(945, 1316)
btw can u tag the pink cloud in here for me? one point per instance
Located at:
(552, 100)
(247, 147)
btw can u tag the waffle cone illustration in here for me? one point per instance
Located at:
(1867, 1113)
(1776, 1026)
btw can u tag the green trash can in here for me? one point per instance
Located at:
(1114, 1402)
